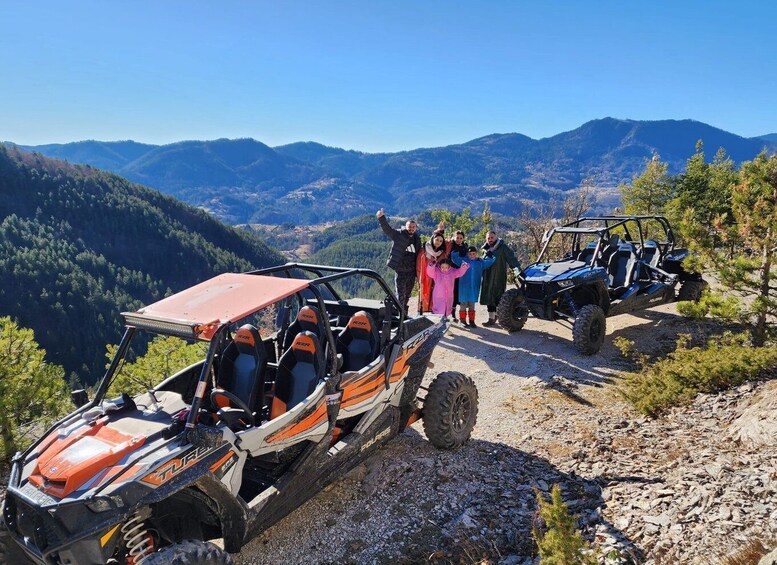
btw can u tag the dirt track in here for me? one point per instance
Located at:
(547, 415)
(675, 490)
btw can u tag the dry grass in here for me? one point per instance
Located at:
(626, 443)
(465, 552)
(749, 554)
(513, 404)
(558, 449)
(585, 434)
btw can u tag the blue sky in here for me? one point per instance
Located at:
(378, 76)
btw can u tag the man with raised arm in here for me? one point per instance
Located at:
(402, 260)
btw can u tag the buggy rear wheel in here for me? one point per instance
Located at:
(450, 410)
(512, 312)
(691, 291)
(190, 552)
(589, 329)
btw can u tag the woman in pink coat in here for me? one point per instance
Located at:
(443, 275)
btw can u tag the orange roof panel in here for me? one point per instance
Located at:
(222, 299)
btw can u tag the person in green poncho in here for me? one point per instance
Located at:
(495, 278)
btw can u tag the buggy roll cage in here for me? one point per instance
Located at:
(621, 220)
(603, 227)
(287, 270)
(220, 336)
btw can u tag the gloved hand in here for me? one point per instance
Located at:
(517, 270)
(488, 255)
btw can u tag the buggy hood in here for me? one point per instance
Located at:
(559, 270)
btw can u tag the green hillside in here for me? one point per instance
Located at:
(79, 245)
(355, 243)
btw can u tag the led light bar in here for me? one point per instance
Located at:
(187, 330)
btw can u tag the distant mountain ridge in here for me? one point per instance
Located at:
(108, 155)
(246, 181)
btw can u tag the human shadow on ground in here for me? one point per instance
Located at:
(413, 503)
(532, 354)
(665, 327)
(549, 353)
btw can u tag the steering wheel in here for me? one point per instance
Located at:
(231, 417)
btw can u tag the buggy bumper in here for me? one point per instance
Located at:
(43, 537)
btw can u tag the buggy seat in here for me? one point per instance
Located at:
(587, 252)
(650, 253)
(358, 342)
(300, 369)
(620, 267)
(308, 320)
(241, 369)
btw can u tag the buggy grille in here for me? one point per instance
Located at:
(535, 291)
(30, 522)
(27, 522)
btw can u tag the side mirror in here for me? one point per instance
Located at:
(79, 397)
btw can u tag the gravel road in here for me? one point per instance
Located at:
(674, 490)
(688, 488)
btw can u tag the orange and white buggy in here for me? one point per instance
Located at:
(298, 385)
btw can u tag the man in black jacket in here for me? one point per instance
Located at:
(404, 252)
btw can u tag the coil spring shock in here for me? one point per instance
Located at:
(572, 305)
(137, 539)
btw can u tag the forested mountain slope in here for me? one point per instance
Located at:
(79, 245)
(245, 181)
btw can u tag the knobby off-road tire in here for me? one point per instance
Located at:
(512, 312)
(190, 552)
(691, 291)
(9, 552)
(450, 410)
(5, 541)
(589, 329)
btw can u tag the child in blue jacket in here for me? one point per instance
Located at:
(469, 284)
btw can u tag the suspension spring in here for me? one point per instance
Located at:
(137, 539)
(572, 305)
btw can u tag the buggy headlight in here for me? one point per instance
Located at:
(565, 283)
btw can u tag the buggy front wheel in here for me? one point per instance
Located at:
(512, 312)
(450, 410)
(190, 552)
(589, 329)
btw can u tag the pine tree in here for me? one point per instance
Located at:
(33, 392)
(750, 271)
(650, 191)
(703, 191)
(165, 356)
(560, 543)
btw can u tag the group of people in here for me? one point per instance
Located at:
(450, 273)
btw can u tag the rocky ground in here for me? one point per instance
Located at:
(692, 487)
(698, 486)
